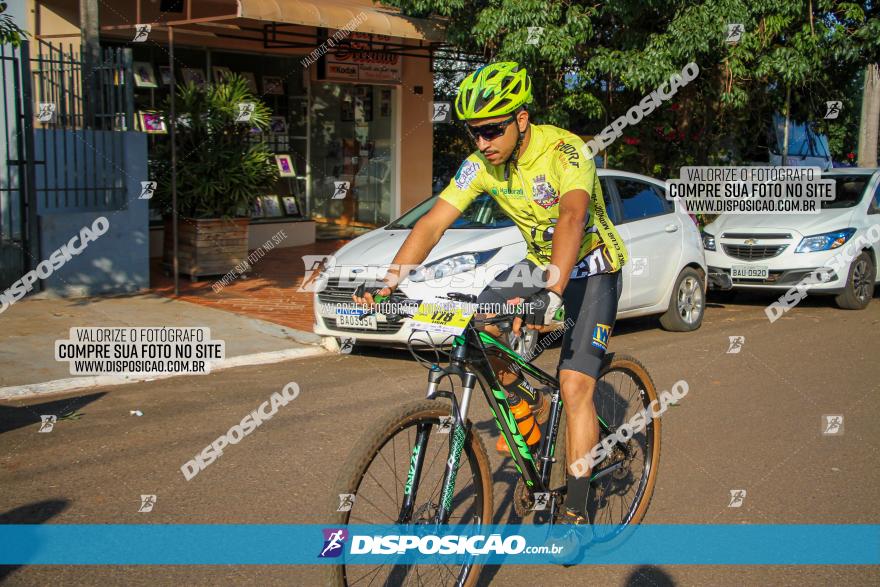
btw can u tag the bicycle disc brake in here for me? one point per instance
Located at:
(524, 502)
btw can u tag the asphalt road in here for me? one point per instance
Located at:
(752, 420)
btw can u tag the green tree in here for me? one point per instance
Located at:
(592, 62)
(9, 31)
(221, 163)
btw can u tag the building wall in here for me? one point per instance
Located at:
(416, 133)
(118, 261)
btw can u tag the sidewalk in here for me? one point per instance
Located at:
(269, 293)
(29, 329)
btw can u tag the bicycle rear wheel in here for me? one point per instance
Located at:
(620, 497)
(376, 473)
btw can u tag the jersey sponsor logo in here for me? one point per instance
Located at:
(571, 153)
(508, 193)
(466, 174)
(543, 193)
(593, 263)
(601, 333)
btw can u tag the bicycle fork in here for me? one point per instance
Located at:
(458, 431)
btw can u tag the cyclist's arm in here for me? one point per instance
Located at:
(424, 236)
(567, 237)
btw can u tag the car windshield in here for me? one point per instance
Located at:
(482, 213)
(849, 191)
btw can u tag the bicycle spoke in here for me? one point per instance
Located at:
(393, 501)
(378, 567)
(364, 499)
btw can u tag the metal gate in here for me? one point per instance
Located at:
(58, 128)
(17, 236)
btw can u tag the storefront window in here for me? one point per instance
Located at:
(352, 164)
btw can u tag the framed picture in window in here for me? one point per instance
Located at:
(144, 75)
(165, 74)
(272, 206)
(220, 72)
(194, 76)
(251, 81)
(291, 207)
(151, 122)
(285, 166)
(385, 102)
(257, 208)
(273, 85)
(364, 103)
(346, 108)
(278, 125)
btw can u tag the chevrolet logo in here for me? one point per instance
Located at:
(750, 241)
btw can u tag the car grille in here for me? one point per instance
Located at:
(381, 327)
(335, 293)
(753, 252)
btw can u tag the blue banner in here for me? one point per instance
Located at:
(178, 544)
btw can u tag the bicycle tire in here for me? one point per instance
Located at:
(368, 447)
(559, 474)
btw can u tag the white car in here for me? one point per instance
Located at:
(777, 252)
(666, 273)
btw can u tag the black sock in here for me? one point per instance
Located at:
(578, 488)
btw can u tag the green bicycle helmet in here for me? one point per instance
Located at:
(493, 90)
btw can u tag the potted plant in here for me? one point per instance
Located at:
(222, 164)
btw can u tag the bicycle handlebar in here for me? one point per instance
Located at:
(452, 295)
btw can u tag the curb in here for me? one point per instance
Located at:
(73, 383)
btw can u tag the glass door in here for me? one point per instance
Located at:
(352, 165)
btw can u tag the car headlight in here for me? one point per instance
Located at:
(708, 241)
(825, 241)
(451, 265)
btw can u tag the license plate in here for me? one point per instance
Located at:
(750, 272)
(367, 323)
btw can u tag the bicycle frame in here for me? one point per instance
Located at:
(469, 361)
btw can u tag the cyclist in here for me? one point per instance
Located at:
(540, 177)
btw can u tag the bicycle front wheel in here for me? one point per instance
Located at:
(376, 474)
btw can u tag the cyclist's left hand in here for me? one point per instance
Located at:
(539, 309)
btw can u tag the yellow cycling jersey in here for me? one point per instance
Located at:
(552, 165)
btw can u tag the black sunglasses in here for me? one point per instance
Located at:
(489, 131)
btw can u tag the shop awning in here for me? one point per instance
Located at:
(362, 15)
(199, 17)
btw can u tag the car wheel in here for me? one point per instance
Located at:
(859, 284)
(525, 344)
(687, 303)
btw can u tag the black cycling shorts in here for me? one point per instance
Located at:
(590, 311)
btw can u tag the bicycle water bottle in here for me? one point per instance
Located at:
(525, 420)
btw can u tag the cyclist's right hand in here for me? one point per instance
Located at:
(368, 298)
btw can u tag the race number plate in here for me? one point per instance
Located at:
(446, 316)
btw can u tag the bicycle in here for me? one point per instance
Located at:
(412, 426)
